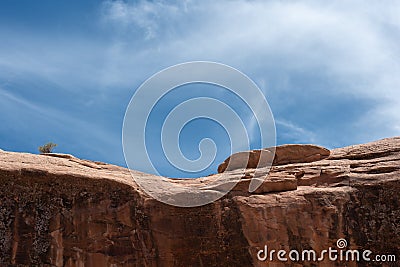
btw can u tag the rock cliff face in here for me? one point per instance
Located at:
(57, 210)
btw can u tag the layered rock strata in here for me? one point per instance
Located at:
(58, 210)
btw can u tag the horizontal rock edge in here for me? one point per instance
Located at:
(59, 212)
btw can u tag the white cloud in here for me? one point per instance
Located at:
(354, 48)
(146, 15)
(295, 132)
(344, 38)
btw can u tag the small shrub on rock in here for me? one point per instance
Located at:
(47, 148)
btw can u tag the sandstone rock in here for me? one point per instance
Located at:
(288, 154)
(268, 183)
(277, 184)
(285, 154)
(250, 159)
(58, 155)
(63, 211)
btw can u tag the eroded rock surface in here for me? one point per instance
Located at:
(59, 210)
(285, 154)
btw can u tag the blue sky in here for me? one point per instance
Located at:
(330, 71)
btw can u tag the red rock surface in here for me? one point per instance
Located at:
(57, 210)
(278, 156)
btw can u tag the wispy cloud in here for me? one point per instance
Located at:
(45, 119)
(294, 132)
(148, 16)
(351, 45)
